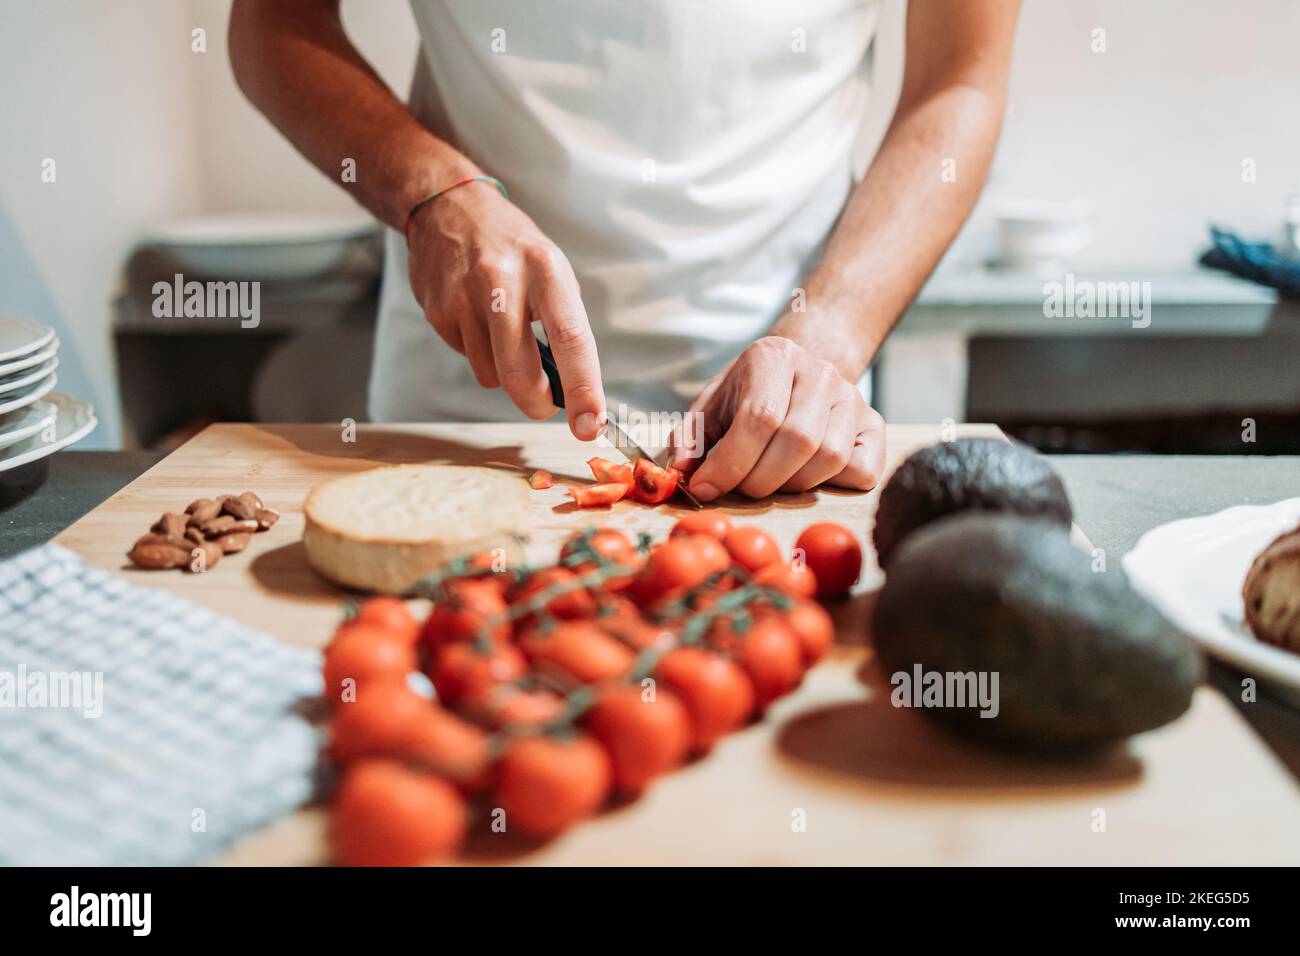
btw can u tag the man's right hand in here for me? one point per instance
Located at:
(482, 271)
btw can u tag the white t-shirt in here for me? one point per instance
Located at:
(689, 157)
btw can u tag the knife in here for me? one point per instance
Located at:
(616, 436)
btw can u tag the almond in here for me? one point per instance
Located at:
(155, 555)
(203, 510)
(170, 523)
(236, 541)
(242, 506)
(203, 557)
(266, 517)
(226, 524)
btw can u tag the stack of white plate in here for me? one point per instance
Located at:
(35, 420)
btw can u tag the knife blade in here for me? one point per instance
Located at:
(614, 434)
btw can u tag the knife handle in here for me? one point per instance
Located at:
(552, 373)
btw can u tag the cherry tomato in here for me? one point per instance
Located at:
(813, 627)
(716, 692)
(713, 523)
(387, 815)
(752, 548)
(608, 472)
(389, 613)
(645, 738)
(606, 543)
(541, 479)
(466, 670)
(653, 485)
(609, 543)
(571, 601)
(620, 618)
(796, 580)
(581, 648)
(464, 613)
(771, 656)
(367, 656)
(676, 563)
(547, 784)
(710, 551)
(517, 708)
(396, 722)
(833, 554)
(598, 496)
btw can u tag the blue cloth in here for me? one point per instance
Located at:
(1258, 261)
(137, 727)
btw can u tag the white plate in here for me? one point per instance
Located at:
(31, 359)
(1193, 570)
(76, 420)
(25, 422)
(20, 336)
(27, 377)
(11, 402)
(260, 246)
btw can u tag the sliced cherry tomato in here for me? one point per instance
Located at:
(389, 613)
(547, 784)
(645, 737)
(365, 656)
(771, 656)
(710, 522)
(580, 648)
(813, 627)
(717, 693)
(796, 580)
(653, 485)
(465, 670)
(387, 815)
(598, 496)
(465, 612)
(571, 601)
(752, 548)
(834, 555)
(609, 472)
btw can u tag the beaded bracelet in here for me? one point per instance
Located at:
(490, 180)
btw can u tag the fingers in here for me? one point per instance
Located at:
(757, 394)
(800, 437)
(554, 298)
(836, 448)
(867, 460)
(518, 365)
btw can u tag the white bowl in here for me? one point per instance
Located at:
(260, 245)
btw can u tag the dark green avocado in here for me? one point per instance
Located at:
(969, 474)
(1082, 659)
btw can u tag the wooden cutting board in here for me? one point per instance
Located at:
(832, 775)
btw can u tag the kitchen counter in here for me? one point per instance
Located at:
(1116, 500)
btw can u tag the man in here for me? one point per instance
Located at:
(680, 193)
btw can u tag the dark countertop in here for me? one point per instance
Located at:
(1116, 499)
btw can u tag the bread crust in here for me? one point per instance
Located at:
(1270, 593)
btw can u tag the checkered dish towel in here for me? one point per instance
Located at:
(200, 739)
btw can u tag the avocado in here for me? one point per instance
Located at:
(1080, 658)
(969, 474)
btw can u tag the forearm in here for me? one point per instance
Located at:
(294, 61)
(918, 191)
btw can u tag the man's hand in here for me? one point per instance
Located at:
(780, 419)
(482, 271)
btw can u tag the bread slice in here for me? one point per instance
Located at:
(1271, 593)
(385, 529)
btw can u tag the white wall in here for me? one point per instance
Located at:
(106, 90)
